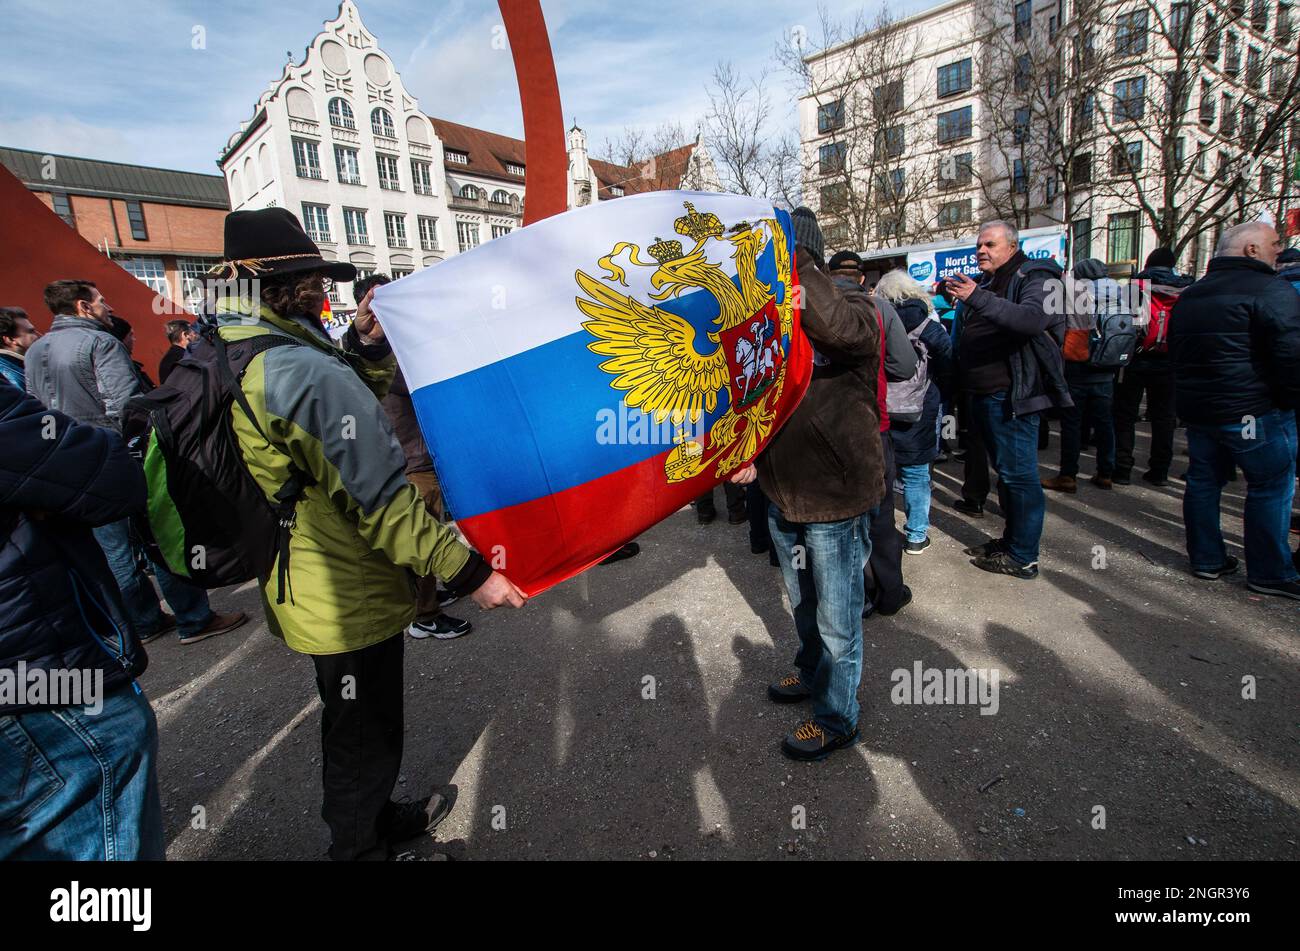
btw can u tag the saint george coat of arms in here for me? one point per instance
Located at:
(672, 369)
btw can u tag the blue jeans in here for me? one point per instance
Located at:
(1012, 444)
(1093, 403)
(822, 563)
(916, 500)
(81, 787)
(1268, 462)
(188, 601)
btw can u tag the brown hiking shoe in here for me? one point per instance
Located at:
(1062, 484)
(219, 624)
(1102, 482)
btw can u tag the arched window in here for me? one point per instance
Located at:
(501, 196)
(381, 123)
(470, 192)
(341, 114)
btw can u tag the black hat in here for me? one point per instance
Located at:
(121, 328)
(845, 261)
(808, 234)
(1161, 257)
(270, 242)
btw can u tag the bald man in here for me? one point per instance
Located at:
(1234, 342)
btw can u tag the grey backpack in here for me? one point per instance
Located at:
(906, 400)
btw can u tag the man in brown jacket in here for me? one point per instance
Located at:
(824, 474)
(430, 620)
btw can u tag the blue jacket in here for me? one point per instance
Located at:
(11, 368)
(1291, 275)
(917, 443)
(1234, 343)
(59, 604)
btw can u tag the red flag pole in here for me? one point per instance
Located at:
(547, 163)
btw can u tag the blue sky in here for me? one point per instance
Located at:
(120, 80)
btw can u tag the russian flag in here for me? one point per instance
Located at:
(580, 379)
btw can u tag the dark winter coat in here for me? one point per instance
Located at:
(59, 604)
(917, 443)
(826, 464)
(1234, 343)
(1037, 371)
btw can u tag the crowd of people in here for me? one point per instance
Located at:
(366, 537)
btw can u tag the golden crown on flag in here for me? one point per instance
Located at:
(698, 226)
(665, 251)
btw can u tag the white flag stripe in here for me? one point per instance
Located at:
(517, 292)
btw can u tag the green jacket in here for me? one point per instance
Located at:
(361, 529)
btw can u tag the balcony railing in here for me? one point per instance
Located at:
(398, 243)
(429, 246)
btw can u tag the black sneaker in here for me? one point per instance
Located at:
(1155, 478)
(704, 517)
(810, 742)
(990, 547)
(758, 548)
(406, 820)
(1122, 477)
(967, 507)
(442, 626)
(1001, 563)
(630, 550)
(1283, 589)
(903, 602)
(446, 597)
(737, 518)
(1213, 574)
(915, 548)
(788, 690)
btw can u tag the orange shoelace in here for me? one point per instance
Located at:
(809, 731)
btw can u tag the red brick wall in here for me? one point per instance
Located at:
(173, 229)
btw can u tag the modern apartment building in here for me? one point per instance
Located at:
(1127, 123)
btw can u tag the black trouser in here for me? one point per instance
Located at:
(1092, 405)
(1158, 384)
(975, 479)
(756, 504)
(735, 502)
(361, 741)
(884, 572)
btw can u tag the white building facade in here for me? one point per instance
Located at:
(338, 140)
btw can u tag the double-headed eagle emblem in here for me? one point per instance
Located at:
(662, 368)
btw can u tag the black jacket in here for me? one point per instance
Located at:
(59, 604)
(826, 463)
(917, 443)
(1234, 343)
(1037, 370)
(173, 356)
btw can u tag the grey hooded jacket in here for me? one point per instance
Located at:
(82, 370)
